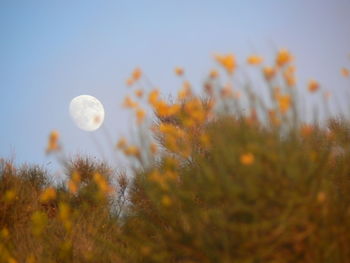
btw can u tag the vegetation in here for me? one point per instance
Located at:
(210, 181)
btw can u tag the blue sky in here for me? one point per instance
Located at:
(52, 51)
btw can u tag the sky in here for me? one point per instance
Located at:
(52, 51)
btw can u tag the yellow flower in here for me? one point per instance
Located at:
(269, 73)
(213, 74)
(283, 57)
(72, 186)
(140, 115)
(139, 93)
(121, 144)
(166, 201)
(226, 91)
(129, 103)
(186, 91)
(164, 110)
(313, 86)
(102, 183)
(254, 60)
(153, 97)
(306, 130)
(284, 103)
(48, 194)
(227, 61)
(289, 76)
(247, 159)
(136, 74)
(132, 151)
(9, 195)
(53, 142)
(129, 82)
(345, 72)
(39, 221)
(179, 71)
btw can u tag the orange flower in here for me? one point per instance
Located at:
(306, 130)
(129, 103)
(139, 93)
(136, 74)
(284, 103)
(247, 159)
(226, 91)
(283, 57)
(289, 76)
(345, 72)
(129, 82)
(227, 61)
(153, 97)
(179, 71)
(269, 73)
(140, 115)
(213, 74)
(53, 142)
(132, 151)
(313, 86)
(121, 143)
(254, 60)
(48, 194)
(166, 201)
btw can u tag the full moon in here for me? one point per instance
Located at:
(87, 112)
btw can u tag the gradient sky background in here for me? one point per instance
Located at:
(52, 51)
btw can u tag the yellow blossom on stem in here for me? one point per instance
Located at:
(345, 72)
(227, 61)
(153, 97)
(226, 91)
(132, 151)
(254, 60)
(72, 186)
(166, 201)
(129, 82)
(122, 143)
(139, 93)
(306, 130)
(102, 183)
(129, 103)
(313, 86)
(140, 115)
(53, 142)
(48, 194)
(283, 57)
(136, 74)
(289, 76)
(214, 74)
(179, 71)
(269, 73)
(284, 103)
(247, 159)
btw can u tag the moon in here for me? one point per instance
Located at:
(87, 112)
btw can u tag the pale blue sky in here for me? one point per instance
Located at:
(52, 51)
